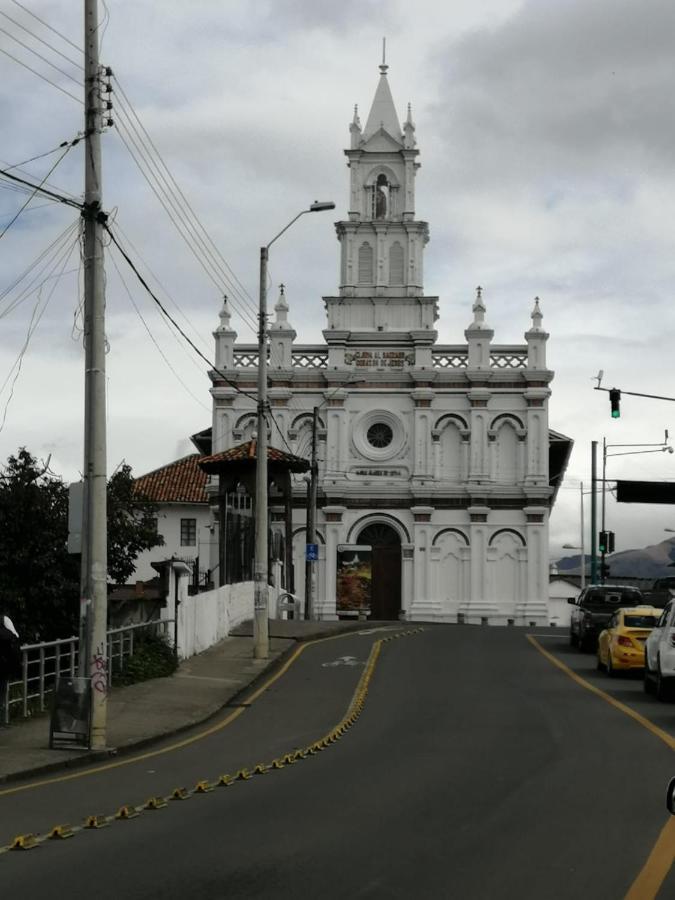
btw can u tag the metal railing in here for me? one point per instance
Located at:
(43, 664)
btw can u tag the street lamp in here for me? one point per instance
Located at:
(261, 639)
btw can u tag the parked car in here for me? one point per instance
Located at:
(660, 655)
(661, 591)
(621, 646)
(593, 609)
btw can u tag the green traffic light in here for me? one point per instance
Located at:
(616, 413)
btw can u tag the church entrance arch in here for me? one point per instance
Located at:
(385, 599)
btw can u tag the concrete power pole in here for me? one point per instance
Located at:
(310, 565)
(260, 574)
(94, 602)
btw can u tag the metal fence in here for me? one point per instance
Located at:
(43, 664)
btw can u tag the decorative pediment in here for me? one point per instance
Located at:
(382, 142)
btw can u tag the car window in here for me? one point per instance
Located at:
(664, 617)
(645, 621)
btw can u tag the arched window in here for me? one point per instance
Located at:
(396, 264)
(365, 263)
(381, 198)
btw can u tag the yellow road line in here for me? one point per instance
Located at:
(354, 710)
(617, 704)
(648, 883)
(182, 743)
(659, 862)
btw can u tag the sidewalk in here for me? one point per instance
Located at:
(144, 713)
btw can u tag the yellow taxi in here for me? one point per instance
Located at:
(621, 646)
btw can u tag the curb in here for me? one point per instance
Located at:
(92, 756)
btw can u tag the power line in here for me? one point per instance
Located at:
(43, 77)
(43, 260)
(39, 156)
(172, 320)
(184, 226)
(39, 55)
(162, 286)
(152, 337)
(245, 295)
(37, 188)
(34, 322)
(47, 25)
(35, 37)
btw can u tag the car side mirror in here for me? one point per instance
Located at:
(670, 797)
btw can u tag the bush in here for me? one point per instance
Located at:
(153, 658)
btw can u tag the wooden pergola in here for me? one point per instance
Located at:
(237, 466)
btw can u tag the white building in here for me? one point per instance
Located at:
(438, 456)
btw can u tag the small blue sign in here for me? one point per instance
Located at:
(311, 552)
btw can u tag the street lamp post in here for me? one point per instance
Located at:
(260, 571)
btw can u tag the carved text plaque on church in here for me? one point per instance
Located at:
(380, 359)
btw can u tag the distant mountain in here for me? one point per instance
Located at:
(654, 561)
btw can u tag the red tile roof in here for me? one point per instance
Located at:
(247, 451)
(181, 481)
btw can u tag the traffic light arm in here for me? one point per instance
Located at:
(634, 393)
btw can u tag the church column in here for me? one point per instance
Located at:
(422, 462)
(537, 436)
(334, 528)
(337, 438)
(479, 605)
(478, 449)
(407, 584)
(424, 604)
(534, 608)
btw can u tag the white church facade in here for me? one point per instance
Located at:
(438, 456)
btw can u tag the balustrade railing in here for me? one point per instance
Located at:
(43, 664)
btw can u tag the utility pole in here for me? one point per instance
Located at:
(603, 526)
(260, 590)
(594, 511)
(310, 565)
(94, 601)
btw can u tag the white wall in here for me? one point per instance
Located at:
(208, 617)
(559, 610)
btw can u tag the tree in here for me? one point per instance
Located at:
(39, 579)
(132, 525)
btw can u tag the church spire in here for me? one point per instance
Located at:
(383, 112)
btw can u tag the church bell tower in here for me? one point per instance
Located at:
(382, 243)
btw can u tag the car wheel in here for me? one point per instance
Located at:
(609, 667)
(598, 665)
(663, 689)
(648, 678)
(584, 642)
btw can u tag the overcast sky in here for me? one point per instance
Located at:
(546, 140)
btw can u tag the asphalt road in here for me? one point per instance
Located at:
(477, 769)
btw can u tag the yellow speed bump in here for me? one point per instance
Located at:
(203, 787)
(277, 764)
(225, 781)
(24, 842)
(155, 803)
(126, 812)
(243, 775)
(95, 822)
(179, 794)
(60, 832)
(289, 759)
(260, 769)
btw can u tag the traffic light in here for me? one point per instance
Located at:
(602, 542)
(604, 571)
(610, 542)
(614, 401)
